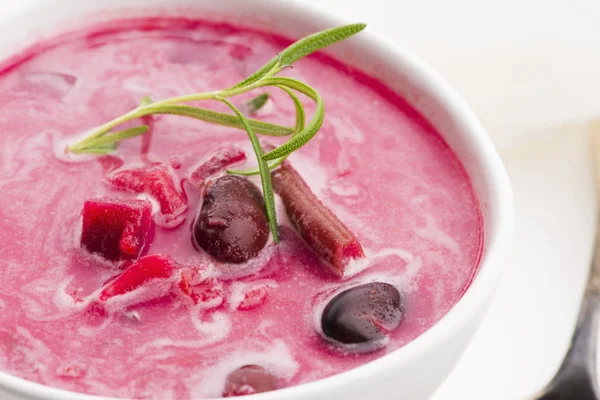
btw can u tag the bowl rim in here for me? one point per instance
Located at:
(500, 200)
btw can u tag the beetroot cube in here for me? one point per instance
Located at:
(117, 228)
(155, 180)
(208, 293)
(219, 161)
(132, 180)
(160, 184)
(155, 266)
(253, 298)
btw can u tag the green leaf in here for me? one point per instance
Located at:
(264, 70)
(96, 151)
(317, 41)
(265, 174)
(255, 171)
(116, 137)
(108, 143)
(313, 126)
(101, 140)
(146, 100)
(300, 121)
(302, 48)
(256, 103)
(300, 114)
(105, 149)
(263, 128)
(102, 149)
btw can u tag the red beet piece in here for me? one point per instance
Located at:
(208, 293)
(249, 379)
(155, 180)
(326, 235)
(155, 266)
(195, 274)
(117, 228)
(219, 161)
(253, 298)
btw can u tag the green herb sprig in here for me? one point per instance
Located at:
(104, 140)
(256, 103)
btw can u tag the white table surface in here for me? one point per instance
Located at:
(529, 68)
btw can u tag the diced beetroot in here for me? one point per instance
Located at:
(155, 180)
(184, 286)
(219, 161)
(155, 266)
(133, 180)
(209, 293)
(160, 184)
(253, 298)
(110, 163)
(326, 235)
(196, 274)
(175, 163)
(117, 228)
(97, 309)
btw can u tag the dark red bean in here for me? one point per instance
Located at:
(249, 379)
(363, 314)
(318, 226)
(232, 223)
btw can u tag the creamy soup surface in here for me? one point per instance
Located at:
(376, 163)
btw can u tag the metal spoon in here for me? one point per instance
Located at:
(577, 378)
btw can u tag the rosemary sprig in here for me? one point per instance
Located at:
(146, 100)
(106, 144)
(103, 140)
(300, 122)
(256, 103)
(304, 47)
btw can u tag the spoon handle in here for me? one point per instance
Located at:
(577, 378)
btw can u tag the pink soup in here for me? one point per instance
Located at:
(378, 166)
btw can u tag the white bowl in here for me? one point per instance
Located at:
(416, 370)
